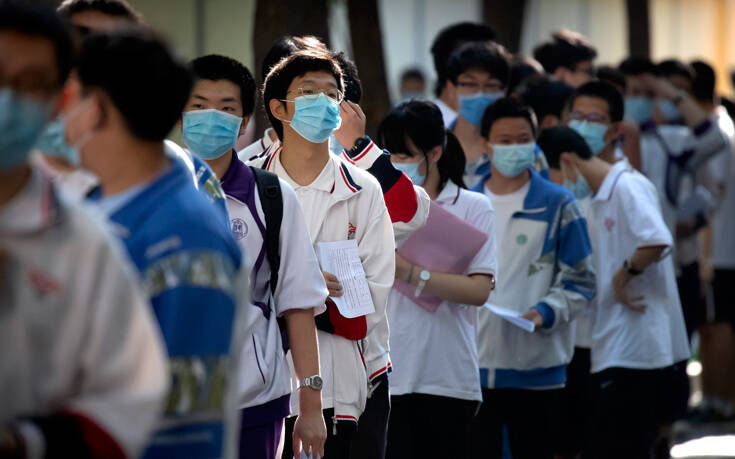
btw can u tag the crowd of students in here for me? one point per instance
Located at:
(166, 300)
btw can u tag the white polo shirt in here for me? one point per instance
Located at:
(723, 220)
(437, 353)
(623, 216)
(266, 375)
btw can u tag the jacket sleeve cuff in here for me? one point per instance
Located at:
(702, 128)
(547, 314)
(364, 154)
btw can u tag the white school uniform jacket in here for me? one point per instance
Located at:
(77, 336)
(345, 202)
(623, 216)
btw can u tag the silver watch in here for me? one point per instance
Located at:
(424, 277)
(314, 382)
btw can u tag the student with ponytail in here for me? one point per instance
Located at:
(435, 389)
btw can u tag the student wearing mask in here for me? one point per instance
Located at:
(219, 107)
(546, 275)
(302, 96)
(568, 57)
(82, 366)
(447, 40)
(717, 345)
(478, 74)
(435, 390)
(638, 338)
(187, 260)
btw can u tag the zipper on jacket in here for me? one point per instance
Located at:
(334, 425)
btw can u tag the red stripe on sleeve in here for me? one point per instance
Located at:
(100, 443)
(401, 200)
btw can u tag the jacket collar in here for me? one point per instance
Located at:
(449, 195)
(34, 208)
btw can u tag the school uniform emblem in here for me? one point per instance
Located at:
(609, 224)
(351, 230)
(239, 228)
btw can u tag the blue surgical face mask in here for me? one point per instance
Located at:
(669, 110)
(593, 133)
(638, 109)
(315, 117)
(512, 160)
(334, 146)
(53, 142)
(581, 189)
(412, 171)
(22, 120)
(210, 133)
(472, 107)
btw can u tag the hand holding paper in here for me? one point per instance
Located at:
(342, 259)
(511, 316)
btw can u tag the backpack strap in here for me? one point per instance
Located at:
(269, 190)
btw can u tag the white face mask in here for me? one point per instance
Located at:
(88, 134)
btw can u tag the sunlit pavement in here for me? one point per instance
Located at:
(702, 440)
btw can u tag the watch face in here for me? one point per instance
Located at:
(425, 275)
(316, 382)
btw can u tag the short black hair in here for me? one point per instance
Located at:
(490, 57)
(33, 19)
(612, 75)
(565, 49)
(285, 46)
(507, 107)
(675, 67)
(350, 76)
(605, 91)
(413, 73)
(545, 96)
(522, 69)
(703, 86)
(216, 67)
(421, 122)
(296, 65)
(120, 8)
(150, 101)
(562, 139)
(450, 38)
(637, 65)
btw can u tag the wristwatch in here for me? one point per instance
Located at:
(628, 266)
(314, 382)
(424, 277)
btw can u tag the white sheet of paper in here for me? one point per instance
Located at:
(511, 316)
(342, 259)
(309, 456)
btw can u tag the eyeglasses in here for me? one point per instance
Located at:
(34, 84)
(310, 92)
(592, 117)
(474, 87)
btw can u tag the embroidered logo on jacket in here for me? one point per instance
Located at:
(43, 284)
(609, 224)
(239, 228)
(351, 230)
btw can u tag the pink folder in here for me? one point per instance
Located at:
(446, 244)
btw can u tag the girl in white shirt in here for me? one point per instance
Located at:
(435, 389)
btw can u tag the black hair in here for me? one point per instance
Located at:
(545, 96)
(449, 39)
(39, 21)
(565, 49)
(284, 47)
(606, 92)
(637, 65)
(216, 67)
(562, 139)
(353, 85)
(612, 75)
(703, 86)
(521, 69)
(507, 107)
(150, 102)
(422, 123)
(490, 57)
(675, 67)
(119, 8)
(296, 65)
(413, 73)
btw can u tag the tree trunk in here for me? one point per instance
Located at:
(506, 18)
(639, 40)
(276, 18)
(367, 48)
